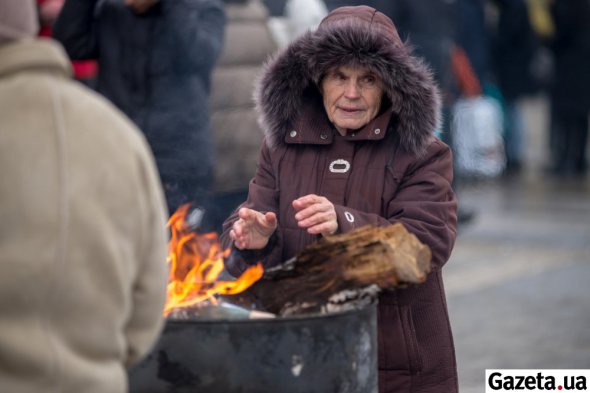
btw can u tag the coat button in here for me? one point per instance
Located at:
(349, 217)
(293, 134)
(339, 166)
(377, 131)
(324, 136)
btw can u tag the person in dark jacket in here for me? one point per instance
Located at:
(473, 36)
(570, 93)
(349, 116)
(84, 70)
(155, 61)
(514, 47)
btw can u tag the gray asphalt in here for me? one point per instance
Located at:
(518, 280)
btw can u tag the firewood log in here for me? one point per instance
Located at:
(344, 266)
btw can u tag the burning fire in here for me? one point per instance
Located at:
(196, 261)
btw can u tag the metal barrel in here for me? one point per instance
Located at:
(304, 354)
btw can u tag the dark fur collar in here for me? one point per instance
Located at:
(408, 82)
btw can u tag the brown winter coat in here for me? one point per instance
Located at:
(399, 172)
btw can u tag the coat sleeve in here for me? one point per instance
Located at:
(262, 196)
(424, 202)
(149, 289)
(75, 28)
(198, 30)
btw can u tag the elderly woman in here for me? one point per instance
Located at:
(349, 116)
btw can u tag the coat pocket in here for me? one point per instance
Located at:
(398, 346)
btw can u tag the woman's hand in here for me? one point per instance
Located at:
(253, 229)
(317, 214)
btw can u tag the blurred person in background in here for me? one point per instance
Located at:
(83, 238)
(84, 70)
(291, 18)
(514, 48)
(350, 116)
(155, 61)
(570, 92)
(432, 28)
(236, 133)
(474, 38)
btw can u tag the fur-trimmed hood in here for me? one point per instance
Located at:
(360, 36)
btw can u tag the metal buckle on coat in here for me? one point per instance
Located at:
(339, 162)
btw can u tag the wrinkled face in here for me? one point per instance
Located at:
(352, 97)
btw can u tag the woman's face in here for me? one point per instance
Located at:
(352, 97)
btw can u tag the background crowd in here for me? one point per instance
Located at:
(193, 98)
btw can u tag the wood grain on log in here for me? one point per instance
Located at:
(388, 257)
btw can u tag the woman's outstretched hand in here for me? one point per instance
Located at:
(317, 214)
(253, 229)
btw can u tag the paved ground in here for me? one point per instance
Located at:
(518, 280)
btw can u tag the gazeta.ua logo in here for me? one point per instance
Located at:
(537, 380)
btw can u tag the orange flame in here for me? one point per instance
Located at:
(195, 262)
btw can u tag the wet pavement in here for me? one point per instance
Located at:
(518, 280)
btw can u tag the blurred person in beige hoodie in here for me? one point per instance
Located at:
(82, 233)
